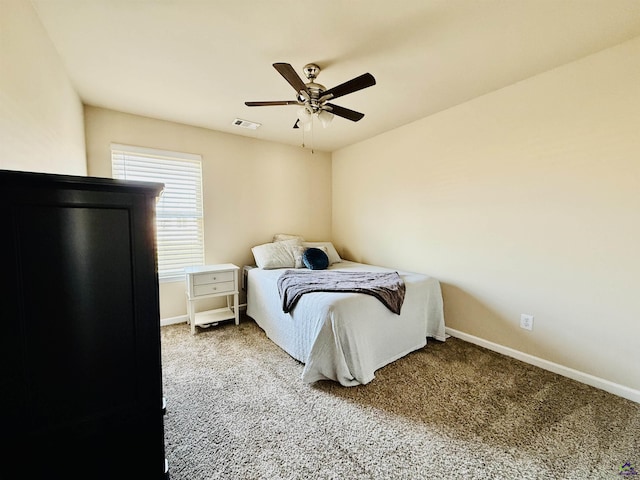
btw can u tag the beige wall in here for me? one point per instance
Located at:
(252, 188)
(525, 200)
(41, 124)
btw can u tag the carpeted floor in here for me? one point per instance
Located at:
(237, 409)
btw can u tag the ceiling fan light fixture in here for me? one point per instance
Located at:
(304, 115)
(306, 118)
(325, 118)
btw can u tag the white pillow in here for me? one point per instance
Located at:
(279, 237)
(275, 255)
(331, 250)
(298, 252)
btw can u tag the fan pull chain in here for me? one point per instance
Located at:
(303, 130)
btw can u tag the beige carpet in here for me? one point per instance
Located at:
(237, 409)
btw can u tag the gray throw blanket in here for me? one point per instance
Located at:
(386, 287)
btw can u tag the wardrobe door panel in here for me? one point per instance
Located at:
(83, 320)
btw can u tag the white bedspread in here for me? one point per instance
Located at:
(346, 337)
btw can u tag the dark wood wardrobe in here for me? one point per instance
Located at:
(80, 329)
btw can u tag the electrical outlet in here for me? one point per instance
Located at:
(526, 321)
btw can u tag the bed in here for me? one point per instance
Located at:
(345, 336)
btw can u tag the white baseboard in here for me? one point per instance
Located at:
(602, 384)
(173, 320)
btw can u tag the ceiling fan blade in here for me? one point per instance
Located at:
(290, 75)
(345, 112)
(363, 81)
(269, 104)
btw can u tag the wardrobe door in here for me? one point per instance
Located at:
(83, 345)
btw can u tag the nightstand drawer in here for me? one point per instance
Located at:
(213, 277)
(210, 288)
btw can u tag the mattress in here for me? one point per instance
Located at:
(344, 336)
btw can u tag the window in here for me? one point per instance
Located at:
(179, 219)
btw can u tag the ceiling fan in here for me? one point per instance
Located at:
(313, 98)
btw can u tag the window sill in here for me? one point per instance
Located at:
(174, 279)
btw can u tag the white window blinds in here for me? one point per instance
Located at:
(179, 218)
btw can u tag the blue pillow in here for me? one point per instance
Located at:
(315, 259)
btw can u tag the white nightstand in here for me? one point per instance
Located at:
(210, 281)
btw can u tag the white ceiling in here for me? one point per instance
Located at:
(198, 61)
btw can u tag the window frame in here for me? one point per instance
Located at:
(180, 204)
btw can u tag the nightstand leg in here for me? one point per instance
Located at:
(191, 317)
(235, 309)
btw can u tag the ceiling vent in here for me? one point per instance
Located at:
(238, 122)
